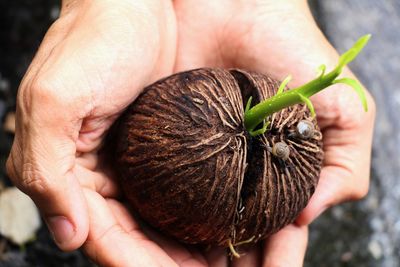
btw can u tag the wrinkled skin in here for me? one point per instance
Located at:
(94, 61)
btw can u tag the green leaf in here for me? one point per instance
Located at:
(260, 131)
(248, 104)
(351, 54)
(283, 84)
(357, 87)
(321, 70)
(309, 104)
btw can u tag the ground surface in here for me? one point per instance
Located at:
(366, 233)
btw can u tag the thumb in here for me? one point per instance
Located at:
(41, 164)
(287, 247)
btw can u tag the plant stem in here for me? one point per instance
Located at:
(256, 115)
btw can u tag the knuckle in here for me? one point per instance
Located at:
(55, 93)
(45, 91)
(38, 91)
(48, 100)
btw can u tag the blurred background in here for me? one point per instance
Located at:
(365, 233)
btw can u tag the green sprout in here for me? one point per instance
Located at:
(256, 115)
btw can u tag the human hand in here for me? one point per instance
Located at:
(64, 102)
(279, 38)
(92, 63)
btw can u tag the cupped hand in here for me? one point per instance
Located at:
(93, 62)
(279, 38)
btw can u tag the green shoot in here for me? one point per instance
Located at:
(321, 70)
(248, 104)
(256, 115)
(283, 84)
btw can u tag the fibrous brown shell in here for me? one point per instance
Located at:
(189, 168)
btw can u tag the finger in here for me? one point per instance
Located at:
(344, 176)
(249, 258)
(323, 197)
(124, 218)
(216, 257)
(87, 160)
(286, 248)
(335, 186)
(182, 255)
(42, 159)
(46, 176)
(97, 181)
(108, 243)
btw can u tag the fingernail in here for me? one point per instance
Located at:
(61, 229)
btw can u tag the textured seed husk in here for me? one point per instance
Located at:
(189, 168)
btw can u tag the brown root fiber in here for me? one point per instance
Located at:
(189, 168)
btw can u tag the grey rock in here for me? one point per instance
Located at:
(375, 249)
(19, 217)
(14, 259)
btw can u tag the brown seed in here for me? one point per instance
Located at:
(190, 169)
